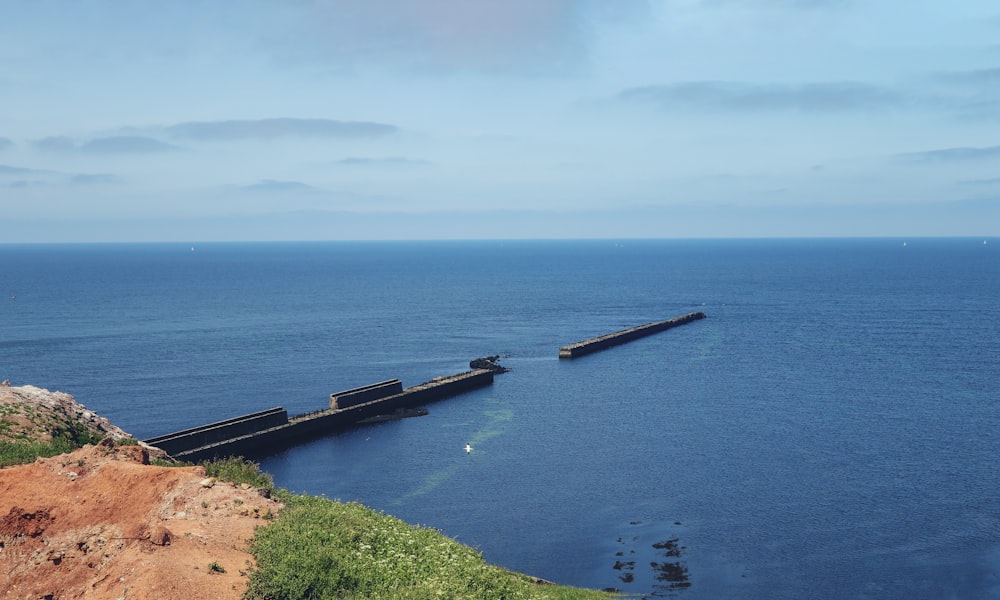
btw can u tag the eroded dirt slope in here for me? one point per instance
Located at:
(102, 523)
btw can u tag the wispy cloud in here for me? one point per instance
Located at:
(5, 144)
(23, 183)
(214, 131)
(271, 185)
(528, 37)
(126, 144)
(972, 94)
(976, 77)
(269, 129)
(19, 177)
(389, 161)
(7, 170)
(94, 179)
(120, 144)
(978, 109)
(56, 143)
(953, 154)
(982, 182)
(836, 97)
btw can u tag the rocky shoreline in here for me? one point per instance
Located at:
(35, 414)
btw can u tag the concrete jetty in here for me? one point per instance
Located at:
(204, 435)
(261, 433)
(366, 393)
(626, 335)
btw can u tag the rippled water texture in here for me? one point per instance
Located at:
(830, 430)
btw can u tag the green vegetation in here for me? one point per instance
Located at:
(318, 548)
(79, 434)
(239, 470)
(17, 447)
(214, 567)
(21, 452)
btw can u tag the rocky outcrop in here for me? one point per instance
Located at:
(489, 363)
(29, 412)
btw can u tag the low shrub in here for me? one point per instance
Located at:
(239, 470)
(22, 452)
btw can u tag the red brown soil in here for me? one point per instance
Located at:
(102, 523)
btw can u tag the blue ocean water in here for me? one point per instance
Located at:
(829, 431)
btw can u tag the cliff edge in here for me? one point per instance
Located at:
(101, 522)
(28, 413)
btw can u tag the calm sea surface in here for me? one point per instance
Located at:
(831, 430)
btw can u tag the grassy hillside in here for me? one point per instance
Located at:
(318, 548)
(36, 422)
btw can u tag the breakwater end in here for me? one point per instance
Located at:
(264, 432)
(626, 335)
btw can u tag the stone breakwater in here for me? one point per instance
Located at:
(261, 433)
(591, 345)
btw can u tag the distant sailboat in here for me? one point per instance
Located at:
(468, 448)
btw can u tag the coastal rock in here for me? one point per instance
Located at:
(38, 414)
(489, 363)
(160, 535)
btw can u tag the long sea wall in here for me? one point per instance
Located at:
(365, 393)
(626, 335)
(274, 434)
(204, 435)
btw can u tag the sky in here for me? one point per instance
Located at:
(201, 120)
